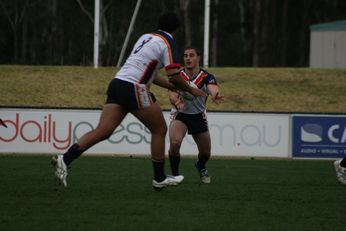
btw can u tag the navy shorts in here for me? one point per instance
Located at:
(196, 123)
(130, 96)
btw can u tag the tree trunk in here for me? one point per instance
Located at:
(284, 34)
(53, 35)
(256, 34)
(24, 42)
(214, 35)
(184, 5)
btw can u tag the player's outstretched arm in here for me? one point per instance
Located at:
(215, 93)
(180, 83)
(163, 82)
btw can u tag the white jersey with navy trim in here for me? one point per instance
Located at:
(201, 80)
(151, 52)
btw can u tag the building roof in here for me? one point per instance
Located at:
(330, 26)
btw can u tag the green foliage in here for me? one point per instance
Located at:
(245, 89)
(115, 193)
(242, 32)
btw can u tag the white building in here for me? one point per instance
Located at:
(328, 45)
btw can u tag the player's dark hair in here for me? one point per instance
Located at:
(193, 48)
(168, 22)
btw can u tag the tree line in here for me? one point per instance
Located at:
(265, 33)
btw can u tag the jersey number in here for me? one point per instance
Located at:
(143, 43)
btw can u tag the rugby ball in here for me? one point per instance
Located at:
(186, 95)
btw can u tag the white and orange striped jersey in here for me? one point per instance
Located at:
(151, 52)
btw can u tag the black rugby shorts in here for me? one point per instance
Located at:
(130, 96)
(196, 123)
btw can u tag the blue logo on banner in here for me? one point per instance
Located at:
(311, 133)
(319, 136)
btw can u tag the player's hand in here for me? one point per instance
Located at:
(179, 106)
(218, 98)
(179, 103)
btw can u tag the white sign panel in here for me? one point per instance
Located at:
(53, 131)
(249, 134)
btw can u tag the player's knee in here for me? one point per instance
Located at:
(175, 144)
(173, 152)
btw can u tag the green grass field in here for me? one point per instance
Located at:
(115, 193)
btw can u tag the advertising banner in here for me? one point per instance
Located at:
(249, 134)
(54, 130)
(319, 136)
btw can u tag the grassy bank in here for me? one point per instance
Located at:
(246, 89)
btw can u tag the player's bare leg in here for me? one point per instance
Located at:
(177, 133)
(204, 146)
(111, 117)
(153, 119)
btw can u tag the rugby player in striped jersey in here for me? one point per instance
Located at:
(129, 92)
(189, 116)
